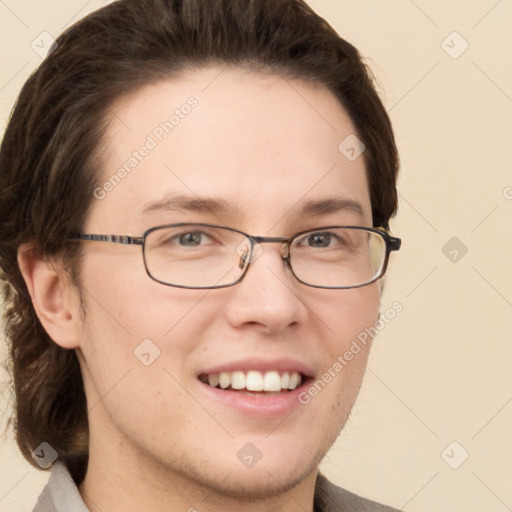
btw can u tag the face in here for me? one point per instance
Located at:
(261, 147)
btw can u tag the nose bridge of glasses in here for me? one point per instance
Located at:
(249, 252)
(273, 240)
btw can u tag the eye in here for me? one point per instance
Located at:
(189, 239)
(320, 240)
(194, 238)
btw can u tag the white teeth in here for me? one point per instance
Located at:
(224, 380)
(272, 382)
(238, 380)
(253, 380)
(294, 380)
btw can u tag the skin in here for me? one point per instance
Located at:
(157, 440)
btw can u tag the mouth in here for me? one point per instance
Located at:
(257, 388)
(254, 382)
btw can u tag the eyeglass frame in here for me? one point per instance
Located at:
(392, 244)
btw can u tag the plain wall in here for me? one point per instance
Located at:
(440, 371)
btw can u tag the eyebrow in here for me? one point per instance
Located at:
(327, 206)
(186, 203)
(218, 206)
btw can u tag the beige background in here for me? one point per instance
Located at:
(440, 371)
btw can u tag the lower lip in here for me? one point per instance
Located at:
(258, 406)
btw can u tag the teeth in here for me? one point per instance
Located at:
(272, 382)
(294, 380)
(254, 381)
(224, 380)
(238, 380)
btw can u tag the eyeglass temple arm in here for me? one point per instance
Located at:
(116, 239)
(393, 242)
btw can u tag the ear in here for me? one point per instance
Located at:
(53, 297)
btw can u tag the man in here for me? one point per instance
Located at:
(241, 145)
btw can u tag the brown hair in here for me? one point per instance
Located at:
(50, 156)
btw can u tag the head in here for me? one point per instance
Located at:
(271, 91)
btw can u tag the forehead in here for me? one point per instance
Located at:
(260, 144)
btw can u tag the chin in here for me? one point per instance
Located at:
(253, 485)
(280, 469)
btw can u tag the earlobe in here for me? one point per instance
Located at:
(52, 297)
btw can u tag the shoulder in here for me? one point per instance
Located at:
(331, 498)
(60, 493)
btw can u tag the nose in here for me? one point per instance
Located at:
(268, 297)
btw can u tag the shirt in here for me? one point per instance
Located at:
(61, 495)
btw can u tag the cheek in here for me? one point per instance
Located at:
(347, 314)
(348, 322)
(136, 352)
(123, 301)
(133, 321)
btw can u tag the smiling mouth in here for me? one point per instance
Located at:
(254, 382)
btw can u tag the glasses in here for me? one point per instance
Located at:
(202, 256)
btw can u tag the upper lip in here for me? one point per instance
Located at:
(261, 365)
